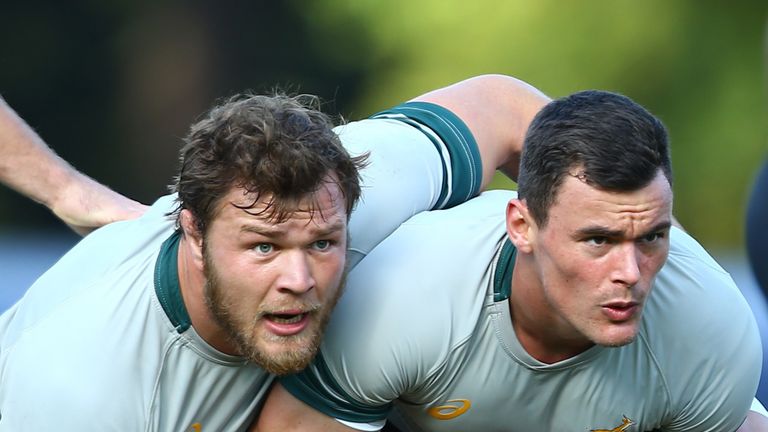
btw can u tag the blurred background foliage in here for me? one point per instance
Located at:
(113, 86)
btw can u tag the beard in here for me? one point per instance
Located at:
(294, 352)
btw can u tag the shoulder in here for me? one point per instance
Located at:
(702, 333)
(100, 269)
(119, 244)
(693, 289)
(416, 297)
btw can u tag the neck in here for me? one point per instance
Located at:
(192, 285)
(543, 334)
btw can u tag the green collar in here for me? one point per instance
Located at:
(167, 283)
(502, 277)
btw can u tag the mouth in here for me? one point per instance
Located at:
(286, 323)
(620, 311)
(284, 318)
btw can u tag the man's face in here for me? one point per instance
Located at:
(272, 286)
(597, 256)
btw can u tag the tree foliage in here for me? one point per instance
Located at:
(112, 86)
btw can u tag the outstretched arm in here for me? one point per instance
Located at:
(755, 422)
(30, 167)
(497, 109)
(757, 419)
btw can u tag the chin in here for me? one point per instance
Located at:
(617, 339)
(284, 357)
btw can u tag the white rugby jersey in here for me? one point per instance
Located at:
(424, 335)
(103, 341)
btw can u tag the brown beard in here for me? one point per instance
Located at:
(285, 362)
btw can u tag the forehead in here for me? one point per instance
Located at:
(577, 203)
(325, 206)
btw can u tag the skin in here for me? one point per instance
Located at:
(30, 167)
(755, 422)
(583, 277)
(261, 289)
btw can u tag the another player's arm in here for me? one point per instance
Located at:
(757, 419)
(497, 109)
(755, 422)
(283, 412)
(30, 167)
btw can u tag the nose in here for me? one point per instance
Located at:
(295, 273)
(627, 269)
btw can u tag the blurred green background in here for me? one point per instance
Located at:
(113, 85)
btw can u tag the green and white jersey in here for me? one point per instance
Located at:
(424, 335)
(103, 342)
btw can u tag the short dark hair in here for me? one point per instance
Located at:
(269, 145)
(615, 143)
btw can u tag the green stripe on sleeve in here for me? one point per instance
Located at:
(462, 167)
(316, 387)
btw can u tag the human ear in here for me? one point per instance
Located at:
(521, 228)
(193, 238)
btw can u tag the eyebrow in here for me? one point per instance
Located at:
(272, 232)
(600, 231)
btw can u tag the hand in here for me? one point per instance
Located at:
(85, 205)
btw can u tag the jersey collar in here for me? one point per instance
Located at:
(167, 285)
(502, 277)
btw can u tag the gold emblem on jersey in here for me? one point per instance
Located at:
(448, 411)
(625, 424)
(196, 427)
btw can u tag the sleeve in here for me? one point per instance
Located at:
(316, 387)
(421, 157)
(712, 386)
(387, 337)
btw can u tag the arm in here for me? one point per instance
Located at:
(283, 412)
(757, 419)
(497, 109)
(476, 126)
(28, 166)
(755, 422)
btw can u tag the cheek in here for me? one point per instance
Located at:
(568, 266)
(654, 261)
(329, 270)
(239, 276)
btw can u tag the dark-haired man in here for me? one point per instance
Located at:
(179, 320)
(574, 306)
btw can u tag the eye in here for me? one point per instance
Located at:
(597, 240)
(322, 245)
(264, 248)
(651, 238)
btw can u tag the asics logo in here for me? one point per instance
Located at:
(451, 410)
(625, 424)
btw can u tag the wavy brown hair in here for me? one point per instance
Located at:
(274, 145)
